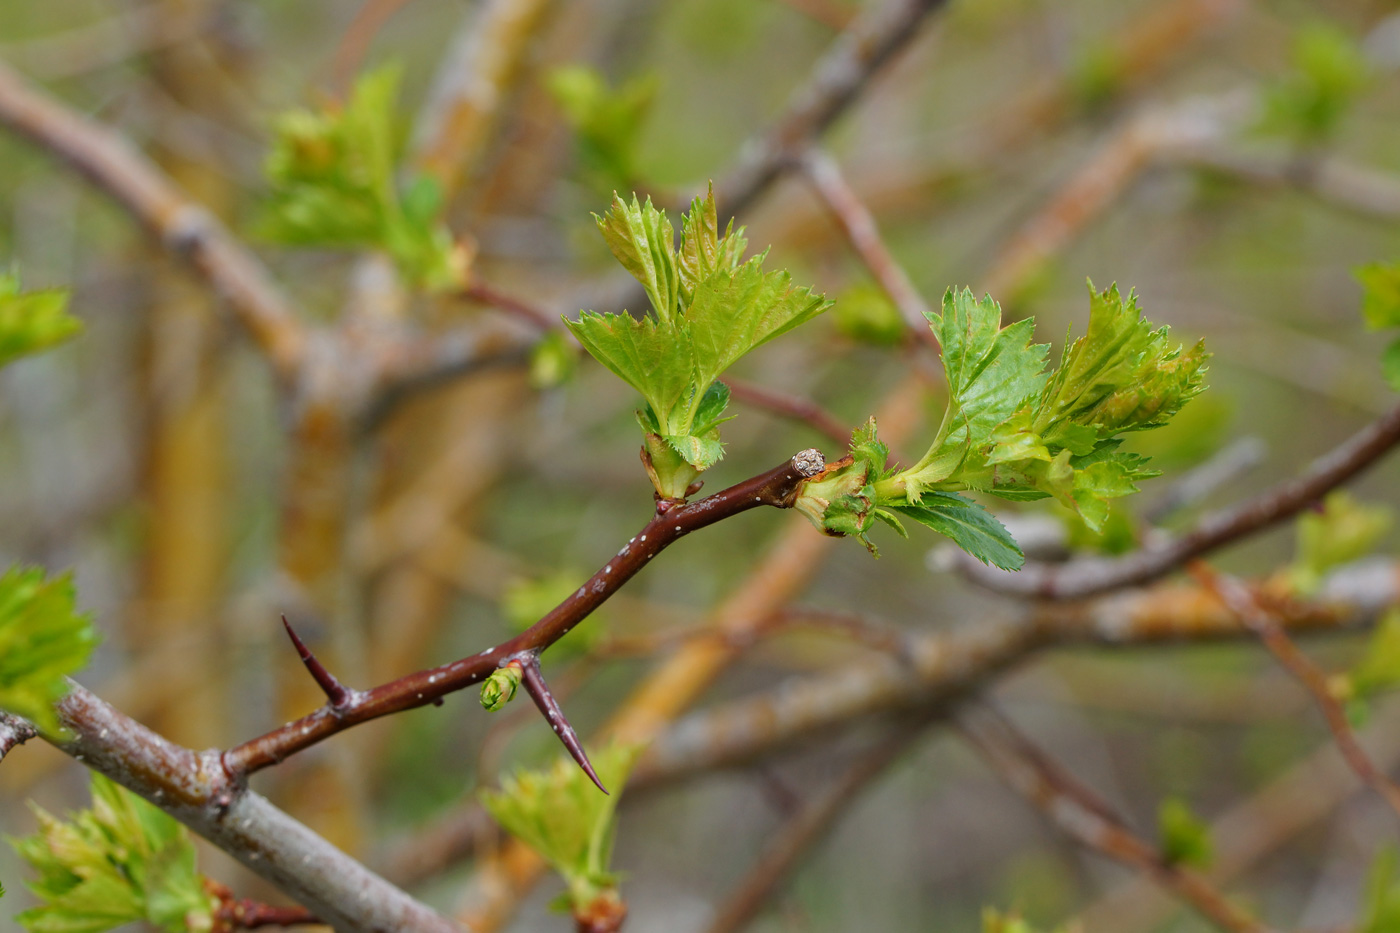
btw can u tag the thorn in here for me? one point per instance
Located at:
(335, 691)
(534, 684)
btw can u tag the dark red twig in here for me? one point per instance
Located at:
(335, 691)
(533, 682)
(1084, 816)
(1089, 577)
(1246, 606)
(672, 521)
(790, 406)
(244, 914)
(488, 295)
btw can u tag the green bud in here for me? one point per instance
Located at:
(499, 689)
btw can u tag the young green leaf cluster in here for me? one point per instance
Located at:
(709, 308)
(123, 861)
(333, 184)
(560, 814)
(1185, 837)
(42, 640)
(608, 121)
(32, 321)
(1013, 430)
(1329, 71)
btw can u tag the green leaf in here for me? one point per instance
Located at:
(651, 357)
(700, 452)
(122, 861)
(970, 527)
(734, 312)
(992, 372)
(560, 814)
(43, 639)
(1343, 530)
(703, 251)
(32, 321)
(642, 239)
(1185, 838)
(333, 185)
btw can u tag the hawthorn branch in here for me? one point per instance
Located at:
(235, 913)
(809, 825)
(14, 732)
(944, 666)
(197, 790)
(1086, 577)
(672, 521)
(1081, 814)
(839, 77)
(864, 236)
(1248, 609)
(186, 230)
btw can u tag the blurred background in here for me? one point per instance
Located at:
(1232, 161)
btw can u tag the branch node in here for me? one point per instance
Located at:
(534, 685)
(809, 462)
(337, 693)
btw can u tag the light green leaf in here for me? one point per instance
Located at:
(703, 251)
(652, 358)
(122, 861)
(1185, 838)
(642, 239)
(734, 312)
(700, 452)
(970, 527)
(43, 639)
(32, 321)
(560, 814)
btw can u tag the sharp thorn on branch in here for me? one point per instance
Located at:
(534, 684)
(335, 691)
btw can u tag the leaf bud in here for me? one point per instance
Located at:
(499, 689)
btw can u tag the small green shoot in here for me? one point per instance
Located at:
(122, 861)
(32, 321)
(709, 308)
(333, 175)
(1185, 837)
(560, 814)
(1013, 430)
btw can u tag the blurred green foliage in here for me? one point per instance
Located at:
(1329, 72)
(1342, 531)
(334, 182)
(121, 861)
(608, 123)
(1184, 837)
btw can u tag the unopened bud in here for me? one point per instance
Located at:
(499, 689)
